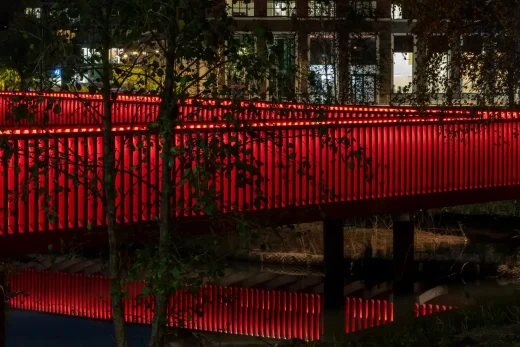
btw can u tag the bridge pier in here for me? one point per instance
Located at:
(403, 250)
(333, 261)
(403, 267)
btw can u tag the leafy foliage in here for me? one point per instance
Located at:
(468, 53)
(175, 49)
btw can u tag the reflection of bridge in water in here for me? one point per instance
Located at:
(232, 310)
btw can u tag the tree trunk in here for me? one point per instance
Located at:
(109, 179)
(511, 83)
(113, 237)
(3, 290)
(167, 113)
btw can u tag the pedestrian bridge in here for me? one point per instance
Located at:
(310, 162)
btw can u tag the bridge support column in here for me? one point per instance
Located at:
(333, 260)
(403, 249)
(404, 295)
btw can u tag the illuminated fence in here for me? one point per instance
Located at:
(256, 312)
(430, 155)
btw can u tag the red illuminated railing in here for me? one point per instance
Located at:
(85, 110)
(255, 312)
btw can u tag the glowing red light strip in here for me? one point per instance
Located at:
(269, 105)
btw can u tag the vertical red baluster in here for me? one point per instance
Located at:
(347, 315)
(371, 313)
(353, 314)
(262, 312)
(283, 315)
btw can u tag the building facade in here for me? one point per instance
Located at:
(360, 50)
(341, 51)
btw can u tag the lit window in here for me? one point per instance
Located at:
(36, 12)
(438, 62)
(237, 73)
(397, 12)
(115, 55)
(241, 8)
(281, 8)
(363, 69)
(322, 74)
(67, 35)
(90, 55)
(403, 64)
(322, 8)
(473, 48)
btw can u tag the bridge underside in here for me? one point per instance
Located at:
(54, 240)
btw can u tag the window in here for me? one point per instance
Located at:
(67, 35)
(88, 53)
(438, 60)
(322, 8)
(364, 88)
(364, 51)
(397, 12)
(282, 51)
(403, 58)
(364, 8)
(238, 80)
(36, 12)
(363, 67)
(115, 55)
(322, 74)
(281, 8)
(241, 8)
(473, 46)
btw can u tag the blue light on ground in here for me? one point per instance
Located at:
(30, 329)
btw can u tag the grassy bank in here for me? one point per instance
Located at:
(494, 322)
(499, 208)
(377, 240)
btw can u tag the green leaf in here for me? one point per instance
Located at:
(181, 24)
(176, 273)
(89, 226)
(146, 291)
(350, 165)
(57, 109)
